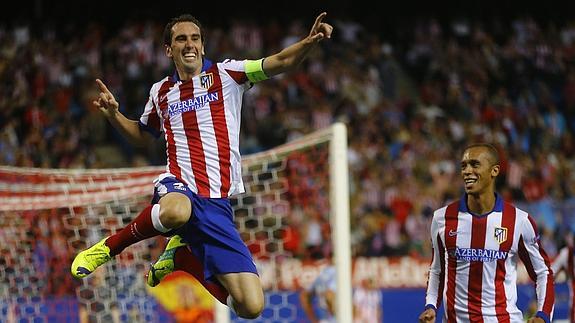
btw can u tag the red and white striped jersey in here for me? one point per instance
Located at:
(200, 119)
(474, 265)
(565, 261)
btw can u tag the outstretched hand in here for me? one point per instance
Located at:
(320, 30)
(106, 101)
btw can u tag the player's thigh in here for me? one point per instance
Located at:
(244, 287)
(175, 208)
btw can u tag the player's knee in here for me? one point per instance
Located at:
(249, 303)
(174, 215)
(252, 308)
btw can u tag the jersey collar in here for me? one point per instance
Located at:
(205, 66)
(497, 208)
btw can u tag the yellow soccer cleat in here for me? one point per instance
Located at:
(88, 260)
(165, 264)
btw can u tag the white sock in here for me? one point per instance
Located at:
(156, 219)
(230, 302)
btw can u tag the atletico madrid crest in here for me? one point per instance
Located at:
(207, 80)
(500, 234)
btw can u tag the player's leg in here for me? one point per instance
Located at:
(177, 256)
(213, 238)
(247, 296)
(171, 210)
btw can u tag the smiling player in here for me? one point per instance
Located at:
(476, 244)
(198, 109)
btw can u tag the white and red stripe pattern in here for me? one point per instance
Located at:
(200, 119)
(474, 265)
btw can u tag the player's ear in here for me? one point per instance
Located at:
(495, 170)
(169, 51)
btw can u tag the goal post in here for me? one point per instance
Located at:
(339, 192)
(48, 215)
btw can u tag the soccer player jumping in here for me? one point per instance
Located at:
(476, 244)
(198, 109)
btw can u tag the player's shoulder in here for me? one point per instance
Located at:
(232, 62)
(520, 213)
(235, 69)
(524, 222)
(157, 85)
(439, 213)
(443, 210)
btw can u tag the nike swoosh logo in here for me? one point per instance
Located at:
(82, 271)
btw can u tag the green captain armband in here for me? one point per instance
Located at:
(255, 70)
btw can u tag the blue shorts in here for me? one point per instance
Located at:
(210, 232)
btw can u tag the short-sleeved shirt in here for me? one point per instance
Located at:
(200, 120)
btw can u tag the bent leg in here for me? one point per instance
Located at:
(178, 256)
(170, 209)
(246, 291)
(173, 210)
(213, 238)
(185, 260)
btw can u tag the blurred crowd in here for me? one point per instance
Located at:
(412, 101)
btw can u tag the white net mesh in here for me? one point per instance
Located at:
(47, 216)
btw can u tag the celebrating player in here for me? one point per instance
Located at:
(198, 110)
(476, 243)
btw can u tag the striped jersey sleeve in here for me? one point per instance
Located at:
(436, 277)
(537, 264)
(236, 70)
(150, 120)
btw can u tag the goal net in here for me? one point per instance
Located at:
(294, 217)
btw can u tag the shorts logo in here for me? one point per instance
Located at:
(179, 186)
(500, 234)
(207, 80)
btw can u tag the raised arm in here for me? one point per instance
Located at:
(291, 56)
(107, 103)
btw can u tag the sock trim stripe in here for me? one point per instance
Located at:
(155, 215)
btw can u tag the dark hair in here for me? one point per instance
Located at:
(491, 150)
(181, 18)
